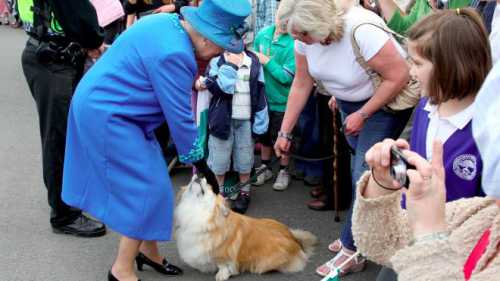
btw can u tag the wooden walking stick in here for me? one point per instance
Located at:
(335, 170)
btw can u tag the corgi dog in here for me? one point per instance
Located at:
(212, 238)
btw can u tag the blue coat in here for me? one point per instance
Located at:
(114, 168)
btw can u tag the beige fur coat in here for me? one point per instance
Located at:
(381, 231)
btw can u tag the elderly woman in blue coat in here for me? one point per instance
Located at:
(114, 168)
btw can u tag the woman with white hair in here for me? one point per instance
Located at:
(324, 52)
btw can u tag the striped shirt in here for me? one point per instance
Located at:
(242, 109)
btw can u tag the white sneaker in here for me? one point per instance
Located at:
(264, 177)
(282, 181)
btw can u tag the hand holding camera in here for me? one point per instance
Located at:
(382, 161)
(394, 167)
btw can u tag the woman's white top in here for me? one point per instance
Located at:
(335, 64)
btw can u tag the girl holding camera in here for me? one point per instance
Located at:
(450, 82)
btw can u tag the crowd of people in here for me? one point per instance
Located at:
(285, 77)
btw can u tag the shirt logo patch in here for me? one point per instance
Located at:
(465, 166)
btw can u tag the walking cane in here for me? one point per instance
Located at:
(335, 170)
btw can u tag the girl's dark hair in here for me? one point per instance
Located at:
(456, 42)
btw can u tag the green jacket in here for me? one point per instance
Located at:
(401, 23)
(73, 19)
(27, 17)
(280, 69)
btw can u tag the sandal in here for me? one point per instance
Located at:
(317, 192)
(319, 204)
(335, 246)
(357, 264)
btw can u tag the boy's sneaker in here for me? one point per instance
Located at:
(264, 177)
(240, 205)
(282, 181)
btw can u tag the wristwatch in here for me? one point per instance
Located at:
(363, 114)
(287, 136)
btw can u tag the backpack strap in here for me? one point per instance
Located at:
(357, 50)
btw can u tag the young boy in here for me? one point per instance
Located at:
(238, 109)
(275, 49)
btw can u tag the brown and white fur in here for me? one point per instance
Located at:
(211, 237)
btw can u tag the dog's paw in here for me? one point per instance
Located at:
(222, 275)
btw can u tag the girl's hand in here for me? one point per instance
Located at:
(263, 59)
(332, 104)
(169, 8)
(378, 157)
(353, 124)
(426, 195)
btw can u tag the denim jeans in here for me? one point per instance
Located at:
(239, 146)
(379, 126)
(308, 125)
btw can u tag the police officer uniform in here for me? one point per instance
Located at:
(60, 32)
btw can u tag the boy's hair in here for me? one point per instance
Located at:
(456, 42)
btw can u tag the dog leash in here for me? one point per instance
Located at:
(260, 171)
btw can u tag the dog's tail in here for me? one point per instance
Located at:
(306, 239)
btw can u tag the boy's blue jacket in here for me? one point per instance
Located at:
(221, 81)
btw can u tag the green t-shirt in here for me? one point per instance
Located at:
(280, 70)
(401, 23)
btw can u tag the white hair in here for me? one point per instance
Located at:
(319, 18)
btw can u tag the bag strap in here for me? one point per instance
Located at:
(476, 254)
(357, 50)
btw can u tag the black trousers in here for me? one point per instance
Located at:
(52, 86)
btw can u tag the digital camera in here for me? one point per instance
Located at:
(399, 166)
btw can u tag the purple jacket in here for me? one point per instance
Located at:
(462, 162)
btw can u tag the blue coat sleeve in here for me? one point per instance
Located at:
(172, 79)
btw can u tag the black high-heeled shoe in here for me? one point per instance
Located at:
(111, 277)
(164, 268)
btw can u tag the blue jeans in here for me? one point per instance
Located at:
(308, 126)
(378, 127)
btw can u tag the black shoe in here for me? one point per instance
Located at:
(164, 268)
(240, 205)
(82, 226)
(111, 277)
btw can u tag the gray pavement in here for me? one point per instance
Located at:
(29, 251)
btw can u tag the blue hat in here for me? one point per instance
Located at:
(220, 21)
